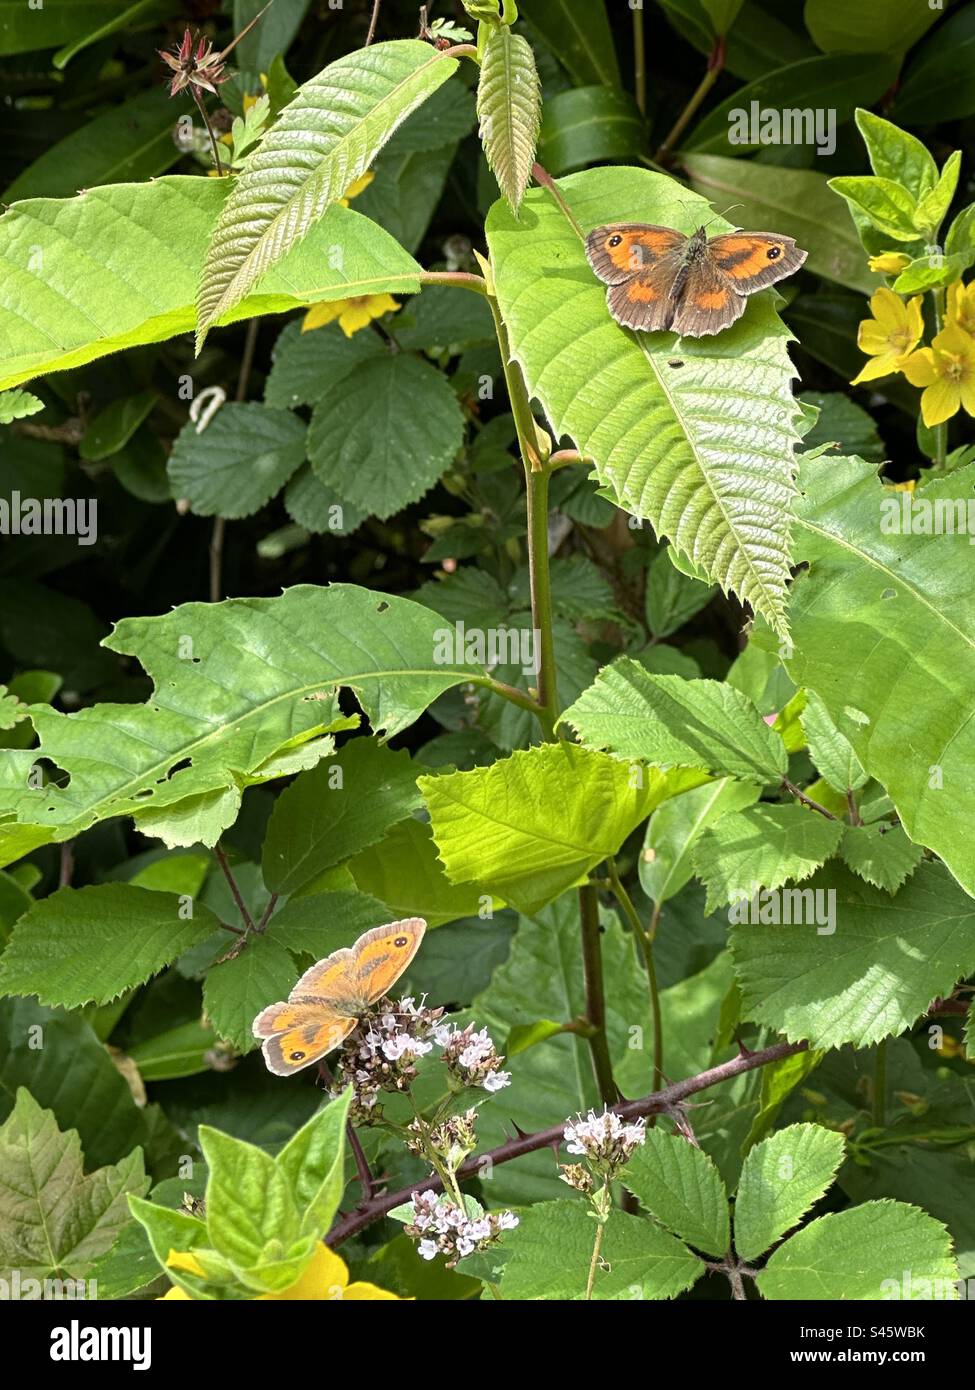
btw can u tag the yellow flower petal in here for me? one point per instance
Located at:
(871, 338)
(359, 1292)
(359, 185)
(184, 1259)
(967, 393)
(889, 263)
(888, 309)
(321, 314)
(939, 402)
(326, 1279)
(354, 317)
(174, 1293)
(883, 365)
(919, 368)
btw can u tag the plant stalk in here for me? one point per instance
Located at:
(592, 968)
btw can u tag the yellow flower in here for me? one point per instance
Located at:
(946, 370)
(889, 263)
(352, 314)
(325, 1278)
(354, 189)
(961, 306)
(890, 335)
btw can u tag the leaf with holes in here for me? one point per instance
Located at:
(703, 449)
(320, 144)
(235, 684)
(509, 109)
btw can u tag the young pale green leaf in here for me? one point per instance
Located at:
(63, 307)
(531, 825)
(551, 1250)
(404, 872)
(83, 944)
(933, 207)
(387, 435)
(673, 831)
(887, 205)
(509, 110)
(675, 722)
(897, 155)
(779, 1080)
(245, 455)
(235, 683)
(54, 1219)
(168, 1230)
(781, 1179)
(829, 749)
(312, 1162)
(884, 630)
(320, 144)
(877, 1250)
(880, 853)
(867, 974)
(335, 810)
(705, 449)
(679, 1185)
(762, 847)
(18, 405)
(253, 1217)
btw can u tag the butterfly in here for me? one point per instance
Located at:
(660, 278)
(326, 1003)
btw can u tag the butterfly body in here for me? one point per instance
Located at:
(331, 996)
(658, 278)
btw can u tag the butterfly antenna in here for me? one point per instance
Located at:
(723, 214)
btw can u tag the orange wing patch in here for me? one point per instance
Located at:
(287, 1053)
(712, 299)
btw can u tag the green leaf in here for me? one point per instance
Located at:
(876, 603)
(94, 943)
(113, 427)
(679, 1185)
(781, 1179)
(673, 830)
(891, 26)
(24, 27)
(359, 444)
(320, 144)
(843, 422)
(551, 1249)
(932, 208)
(509, 110)
(262, 674)
(673, 598)
(18, 405)
(531, 825)
(306, 367)
(237, 990)
(126, 143)
(273, 34)
(873, 974)
(253, 1216)
(168, 1229)
(703, 450)
(859, 1254)
(243, 458)
(55, 1219)
(881, 853)
(404, 872)
(939, 84)
(758, 42)
(779, 1080)
(590, 125)
(762, 847)
(407, 188)
(837, 84)
(885, 204)
(896, 155)
(829, 749)
(312, 1162)
(63, 307)
(175, 1052)
(319, 922)
(671, 721)
(68, 1071)
(797, 202)
(580, 38)
(335, 810)
(722, 13)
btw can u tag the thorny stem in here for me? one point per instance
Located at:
(714, 68)
(806, 800)
(592, 969)
(657, 1103)
(646, 947)
(597, 1245)
(221, 859)
(366, 1181)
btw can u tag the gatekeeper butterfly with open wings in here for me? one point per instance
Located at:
(660, 278)
(326, 1003)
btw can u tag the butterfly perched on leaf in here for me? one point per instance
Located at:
(659, 278)
(328, 1000)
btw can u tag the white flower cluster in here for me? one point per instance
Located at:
(381, 1052)
(444, 1229)
(471, 1057)
(605, 1140)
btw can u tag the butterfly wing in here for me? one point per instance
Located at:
(328, 980)
(754, 260)
(708, 302)
(620, 250)
(380, 956)
(296, 1034)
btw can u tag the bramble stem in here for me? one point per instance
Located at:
(646, 948)
(592, 968)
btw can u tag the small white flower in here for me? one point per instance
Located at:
(427, 1249)
(507, 1221)
(496, 1080)
(466, 1246)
